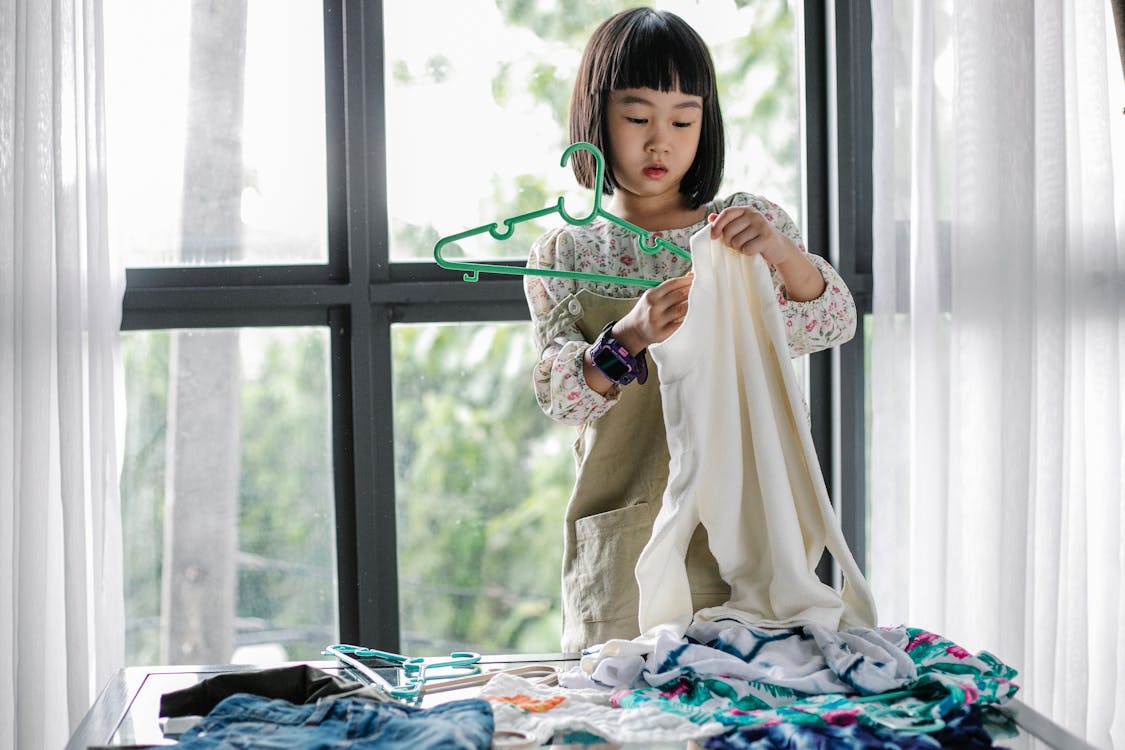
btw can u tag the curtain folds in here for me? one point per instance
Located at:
(998, 328)
(62, 618)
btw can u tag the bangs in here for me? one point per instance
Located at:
(659, 51)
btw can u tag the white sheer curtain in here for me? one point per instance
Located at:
(61, 607)
(997, 505)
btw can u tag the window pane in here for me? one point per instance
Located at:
(227, 498)
(215, 132)
(475, 131)
(482, 480)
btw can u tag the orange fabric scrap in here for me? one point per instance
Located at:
(527, 703)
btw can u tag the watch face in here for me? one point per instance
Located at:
(608, 363)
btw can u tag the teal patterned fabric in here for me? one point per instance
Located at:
(949, 678)
(969, 728)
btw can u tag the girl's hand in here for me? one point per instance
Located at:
(746, 231)
(656, 316)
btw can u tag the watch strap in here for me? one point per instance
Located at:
(614, 360)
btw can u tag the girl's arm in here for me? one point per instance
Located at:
(567, 386)
(814, 325)
(817, 306)
(802, 280)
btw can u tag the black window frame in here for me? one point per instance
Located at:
(359, 294)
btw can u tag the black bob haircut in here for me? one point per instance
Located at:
(647, 48)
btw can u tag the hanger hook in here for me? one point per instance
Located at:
(651, 244)
(599, 162)
(503, 230)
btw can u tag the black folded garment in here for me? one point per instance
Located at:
(298, 684)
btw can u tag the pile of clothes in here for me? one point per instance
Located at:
(728, 685)
(723, 685)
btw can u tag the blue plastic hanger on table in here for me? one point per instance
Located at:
(417, 670)
(504, 230)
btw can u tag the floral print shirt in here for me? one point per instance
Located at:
(603, 247)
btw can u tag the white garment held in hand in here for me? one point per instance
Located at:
(742, 464)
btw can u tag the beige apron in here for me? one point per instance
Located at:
(622, 471)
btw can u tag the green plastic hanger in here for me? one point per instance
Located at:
(504, 230)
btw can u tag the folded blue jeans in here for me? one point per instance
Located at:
(251, 722)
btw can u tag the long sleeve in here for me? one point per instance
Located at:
(821, 323)
(560, 386)
(813, 325)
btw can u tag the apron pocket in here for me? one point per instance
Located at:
(608, 545)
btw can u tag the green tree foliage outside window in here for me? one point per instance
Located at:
(482, 481)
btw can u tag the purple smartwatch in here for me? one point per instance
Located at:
(615, 361)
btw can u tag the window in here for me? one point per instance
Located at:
(227, 495)
(377, 451)
(218, 139)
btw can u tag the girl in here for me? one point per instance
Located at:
(646, 97)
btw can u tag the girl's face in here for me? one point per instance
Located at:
(653, 137)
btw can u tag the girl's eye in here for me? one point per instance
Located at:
(637, 120)
(682, 124)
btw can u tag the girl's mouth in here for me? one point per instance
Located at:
(654, 172)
